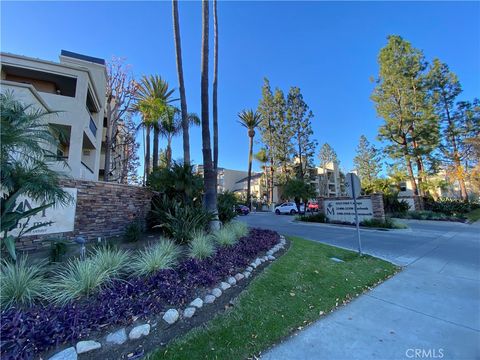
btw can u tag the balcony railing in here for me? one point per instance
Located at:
(87, 167)
(93, 127)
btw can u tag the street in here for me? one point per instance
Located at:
(429, 310)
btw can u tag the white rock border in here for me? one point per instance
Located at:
(119, 337)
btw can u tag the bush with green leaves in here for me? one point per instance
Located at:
(201, 246)
(162, 255)
(429, 215)
(178, 221)
(58, 248)
(388, 223)
(21, 284)
(449, 206)
(392, 204)
(114, 262)
(134, 231)
(76, 279)
(225, 236)
(240, 229)
(226, 206)
(318, 218)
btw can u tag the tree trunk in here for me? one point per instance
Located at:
(272, 174)
(168, 152)
(411, 174)
(181, 84)
(147, 151)
(250, 157)
(108, 143)
(156, 140)
(214, 92)
(210, 198)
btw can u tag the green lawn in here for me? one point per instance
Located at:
(474, 215)
(296, 289)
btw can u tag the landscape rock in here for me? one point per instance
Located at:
(249, 269)
(247, 274)
(209, 299)
(118, 337)
(224, 286)
(198, 303)
(258, 262)
(253, 265)
(265, 258)
(171, 316)
(217, 292)
(189, 312)
(231, 280)
(239, 277)
(86, 346)
(138, 331)
(67, 354)
(271, 257)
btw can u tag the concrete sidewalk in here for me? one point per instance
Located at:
(430, 310)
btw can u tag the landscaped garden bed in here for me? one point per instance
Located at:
(46, 328)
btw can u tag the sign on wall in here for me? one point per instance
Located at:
(344, 210)
(62, 217)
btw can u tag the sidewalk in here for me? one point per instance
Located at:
(431, 308)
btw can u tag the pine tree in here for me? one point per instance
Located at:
(368, 163)
(326, 156)
(299, 118)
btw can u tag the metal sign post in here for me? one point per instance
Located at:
(353, 183)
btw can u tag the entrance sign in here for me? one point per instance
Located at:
(344, 210)
(62, 217)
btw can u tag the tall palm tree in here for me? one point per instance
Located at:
(250, 120)
(153, 95)
(181, 84)
(214, 91)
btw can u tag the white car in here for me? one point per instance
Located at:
(289, 208)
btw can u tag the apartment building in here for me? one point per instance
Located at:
(226, 178)
(74, 89)
(256, 188)
(327, 180)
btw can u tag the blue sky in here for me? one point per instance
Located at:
(328, 49)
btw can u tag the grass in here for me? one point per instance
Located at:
(225, 236)
(298, 288)
(201, 246)
(240, 229)
(162, 255)
(473, 215)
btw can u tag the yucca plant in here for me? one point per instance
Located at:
(112, 261)
(77, 279)
(201, 246)
(240, 229)
(21, 284)
(162, 255)
(225, 236)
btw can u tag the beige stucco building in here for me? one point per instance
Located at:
(74, 88)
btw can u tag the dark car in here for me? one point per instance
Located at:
(242, 210)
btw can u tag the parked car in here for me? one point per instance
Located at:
(242, 210)
(289, 208)
(312, 206)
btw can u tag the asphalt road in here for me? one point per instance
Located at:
(431, 310)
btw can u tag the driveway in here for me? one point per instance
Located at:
(431, 310)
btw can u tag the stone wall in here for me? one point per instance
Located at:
(102, 209)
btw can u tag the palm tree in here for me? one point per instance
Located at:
(26, 143)
(171, 124)
(214, 91)
(209, 181)
(251, 120)
(181, 84)
(153, 95)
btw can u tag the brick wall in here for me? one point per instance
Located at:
(102, 209)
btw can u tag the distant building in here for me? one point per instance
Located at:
(74, 88)
(226, 178)
(327, 181)
(256, 188)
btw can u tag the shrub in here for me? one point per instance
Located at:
(111, 261)
(162, 255)
(318, 217)
(392, 205)
(201, 246)
(178, 221)
(429, 215)
(225, 236)
(58, 248)
(20, 284)
(226, 206)
(383, 224)
(133, 231)
(449, 206)
(240, 229)
(77, 279)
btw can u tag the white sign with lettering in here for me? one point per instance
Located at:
(62, 217)
(344, 210)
